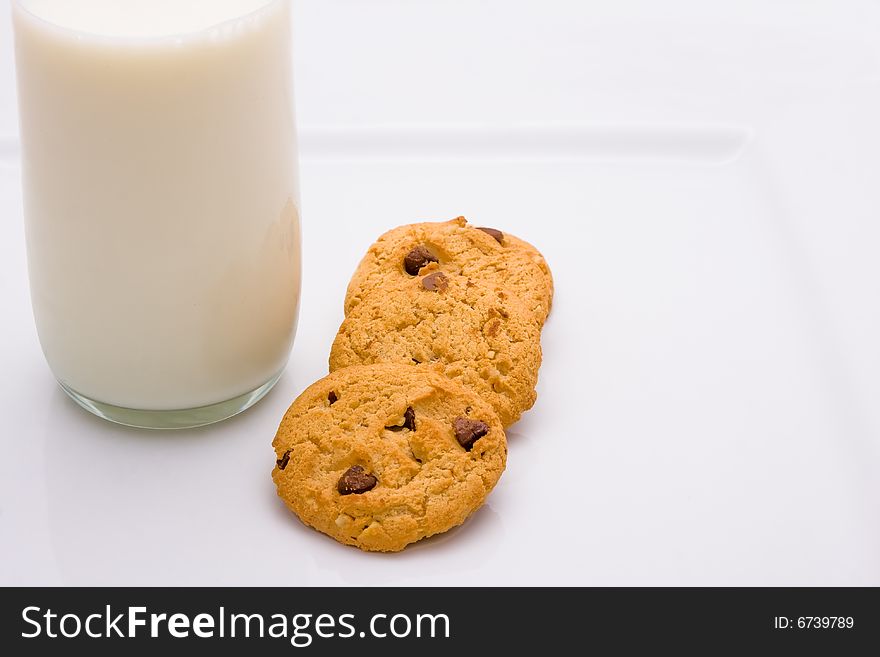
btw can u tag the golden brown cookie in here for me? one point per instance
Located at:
(485, 255)
(382, 456)
(514, 243)
(481, 336)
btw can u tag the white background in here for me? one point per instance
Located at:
(703, 179)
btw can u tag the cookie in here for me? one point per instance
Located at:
(518, 245)
(381, 456)
(483, 337)
(482, 254)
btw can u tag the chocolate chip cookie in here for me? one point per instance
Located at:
(478, 334)
(485, 255)
(381, 456)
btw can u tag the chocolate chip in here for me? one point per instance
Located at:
(468, 431)
(409, 421)
(436, 282)
(284, 460)
(356, 480)
(416, 259)
(332, 398)
(497, 234)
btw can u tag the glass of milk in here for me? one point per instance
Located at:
(161, 197)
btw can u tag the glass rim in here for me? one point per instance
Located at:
(20, 8)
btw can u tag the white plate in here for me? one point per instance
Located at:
(704, 186)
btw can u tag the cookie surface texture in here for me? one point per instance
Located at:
(484, 254)
(484, 338)
(382, 456)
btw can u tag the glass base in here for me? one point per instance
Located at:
(188, 418)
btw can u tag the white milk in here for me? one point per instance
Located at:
(161, 195)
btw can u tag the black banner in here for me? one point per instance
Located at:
(401, 621)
